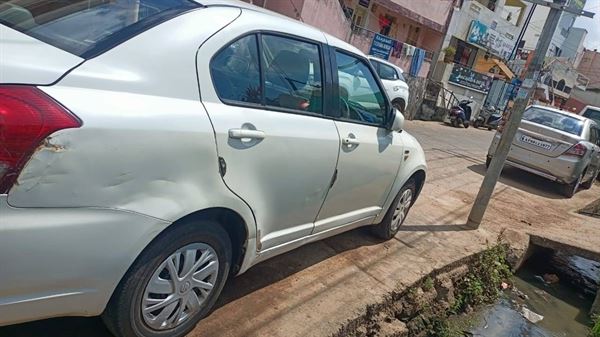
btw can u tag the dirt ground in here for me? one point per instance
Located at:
(313, 290)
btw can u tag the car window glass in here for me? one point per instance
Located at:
(79, 27)
(235, 71)
(292, 71)
(361, 99)
(592, 114)
(554, 120)
(386, 72)
(595, 136)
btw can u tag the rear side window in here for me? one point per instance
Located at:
(554, 120)
(595, 135)
(386, 72)
(87, 28)
(291, 76)
(235, 72)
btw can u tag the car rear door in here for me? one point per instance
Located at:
(594, 139)
(278, 151)
(370, 154)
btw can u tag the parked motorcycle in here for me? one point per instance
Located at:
(461, 114)
(488, 117)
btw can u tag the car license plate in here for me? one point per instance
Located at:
(536, 142)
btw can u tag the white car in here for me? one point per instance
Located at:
(149, 149)
(393, 81)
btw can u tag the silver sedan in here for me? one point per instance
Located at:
(556, 145)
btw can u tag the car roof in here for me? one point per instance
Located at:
(562, 112)
(371, 57)
(331, 40)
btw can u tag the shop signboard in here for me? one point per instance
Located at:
(381, 46)
(468, 78)
(496, 43)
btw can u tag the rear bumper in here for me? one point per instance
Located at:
(562, 169)
(65, 261)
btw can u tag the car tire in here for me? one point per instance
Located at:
(149, 282)
(588, 184)
(396, 214)
(569, 190)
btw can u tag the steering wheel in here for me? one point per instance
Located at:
(345, 108)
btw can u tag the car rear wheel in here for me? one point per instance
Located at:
(569, 190)
(396, 214)
(588, 184)
(173, 283)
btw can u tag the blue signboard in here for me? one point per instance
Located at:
(465, 77)
(381, 46)
(478, 33)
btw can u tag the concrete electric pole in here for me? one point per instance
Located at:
(524, 94)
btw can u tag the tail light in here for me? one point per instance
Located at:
(27, 117)
(578, 150)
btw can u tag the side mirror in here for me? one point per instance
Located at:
(398, 122)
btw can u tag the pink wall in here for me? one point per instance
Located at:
(291, 8)
(434, 10)
(326, 15)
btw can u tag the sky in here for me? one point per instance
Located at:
(592, 41)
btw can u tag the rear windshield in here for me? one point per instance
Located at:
(554, 120)
(87, 27)
(593, 114)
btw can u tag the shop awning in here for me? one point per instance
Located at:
(504, 68)
(485, 66)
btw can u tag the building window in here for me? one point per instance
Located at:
(490, 4)
(465, 53)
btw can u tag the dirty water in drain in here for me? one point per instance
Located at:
(558, 287)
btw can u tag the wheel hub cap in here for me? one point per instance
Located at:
(402, 208)
(179, 286)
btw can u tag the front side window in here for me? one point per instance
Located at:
(292, 71)
(85, 27)
(361, 98)
(236, 73)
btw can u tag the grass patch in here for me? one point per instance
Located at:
(482, 282)
(595, 332)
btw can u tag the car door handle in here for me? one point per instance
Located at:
(246, 133)
(350, 141)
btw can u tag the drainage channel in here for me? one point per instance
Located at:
(551, 295)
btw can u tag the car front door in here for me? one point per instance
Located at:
(370, 154)
(277, 150)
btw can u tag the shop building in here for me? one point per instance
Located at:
(481, 39)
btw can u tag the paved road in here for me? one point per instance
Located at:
(313, 290)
